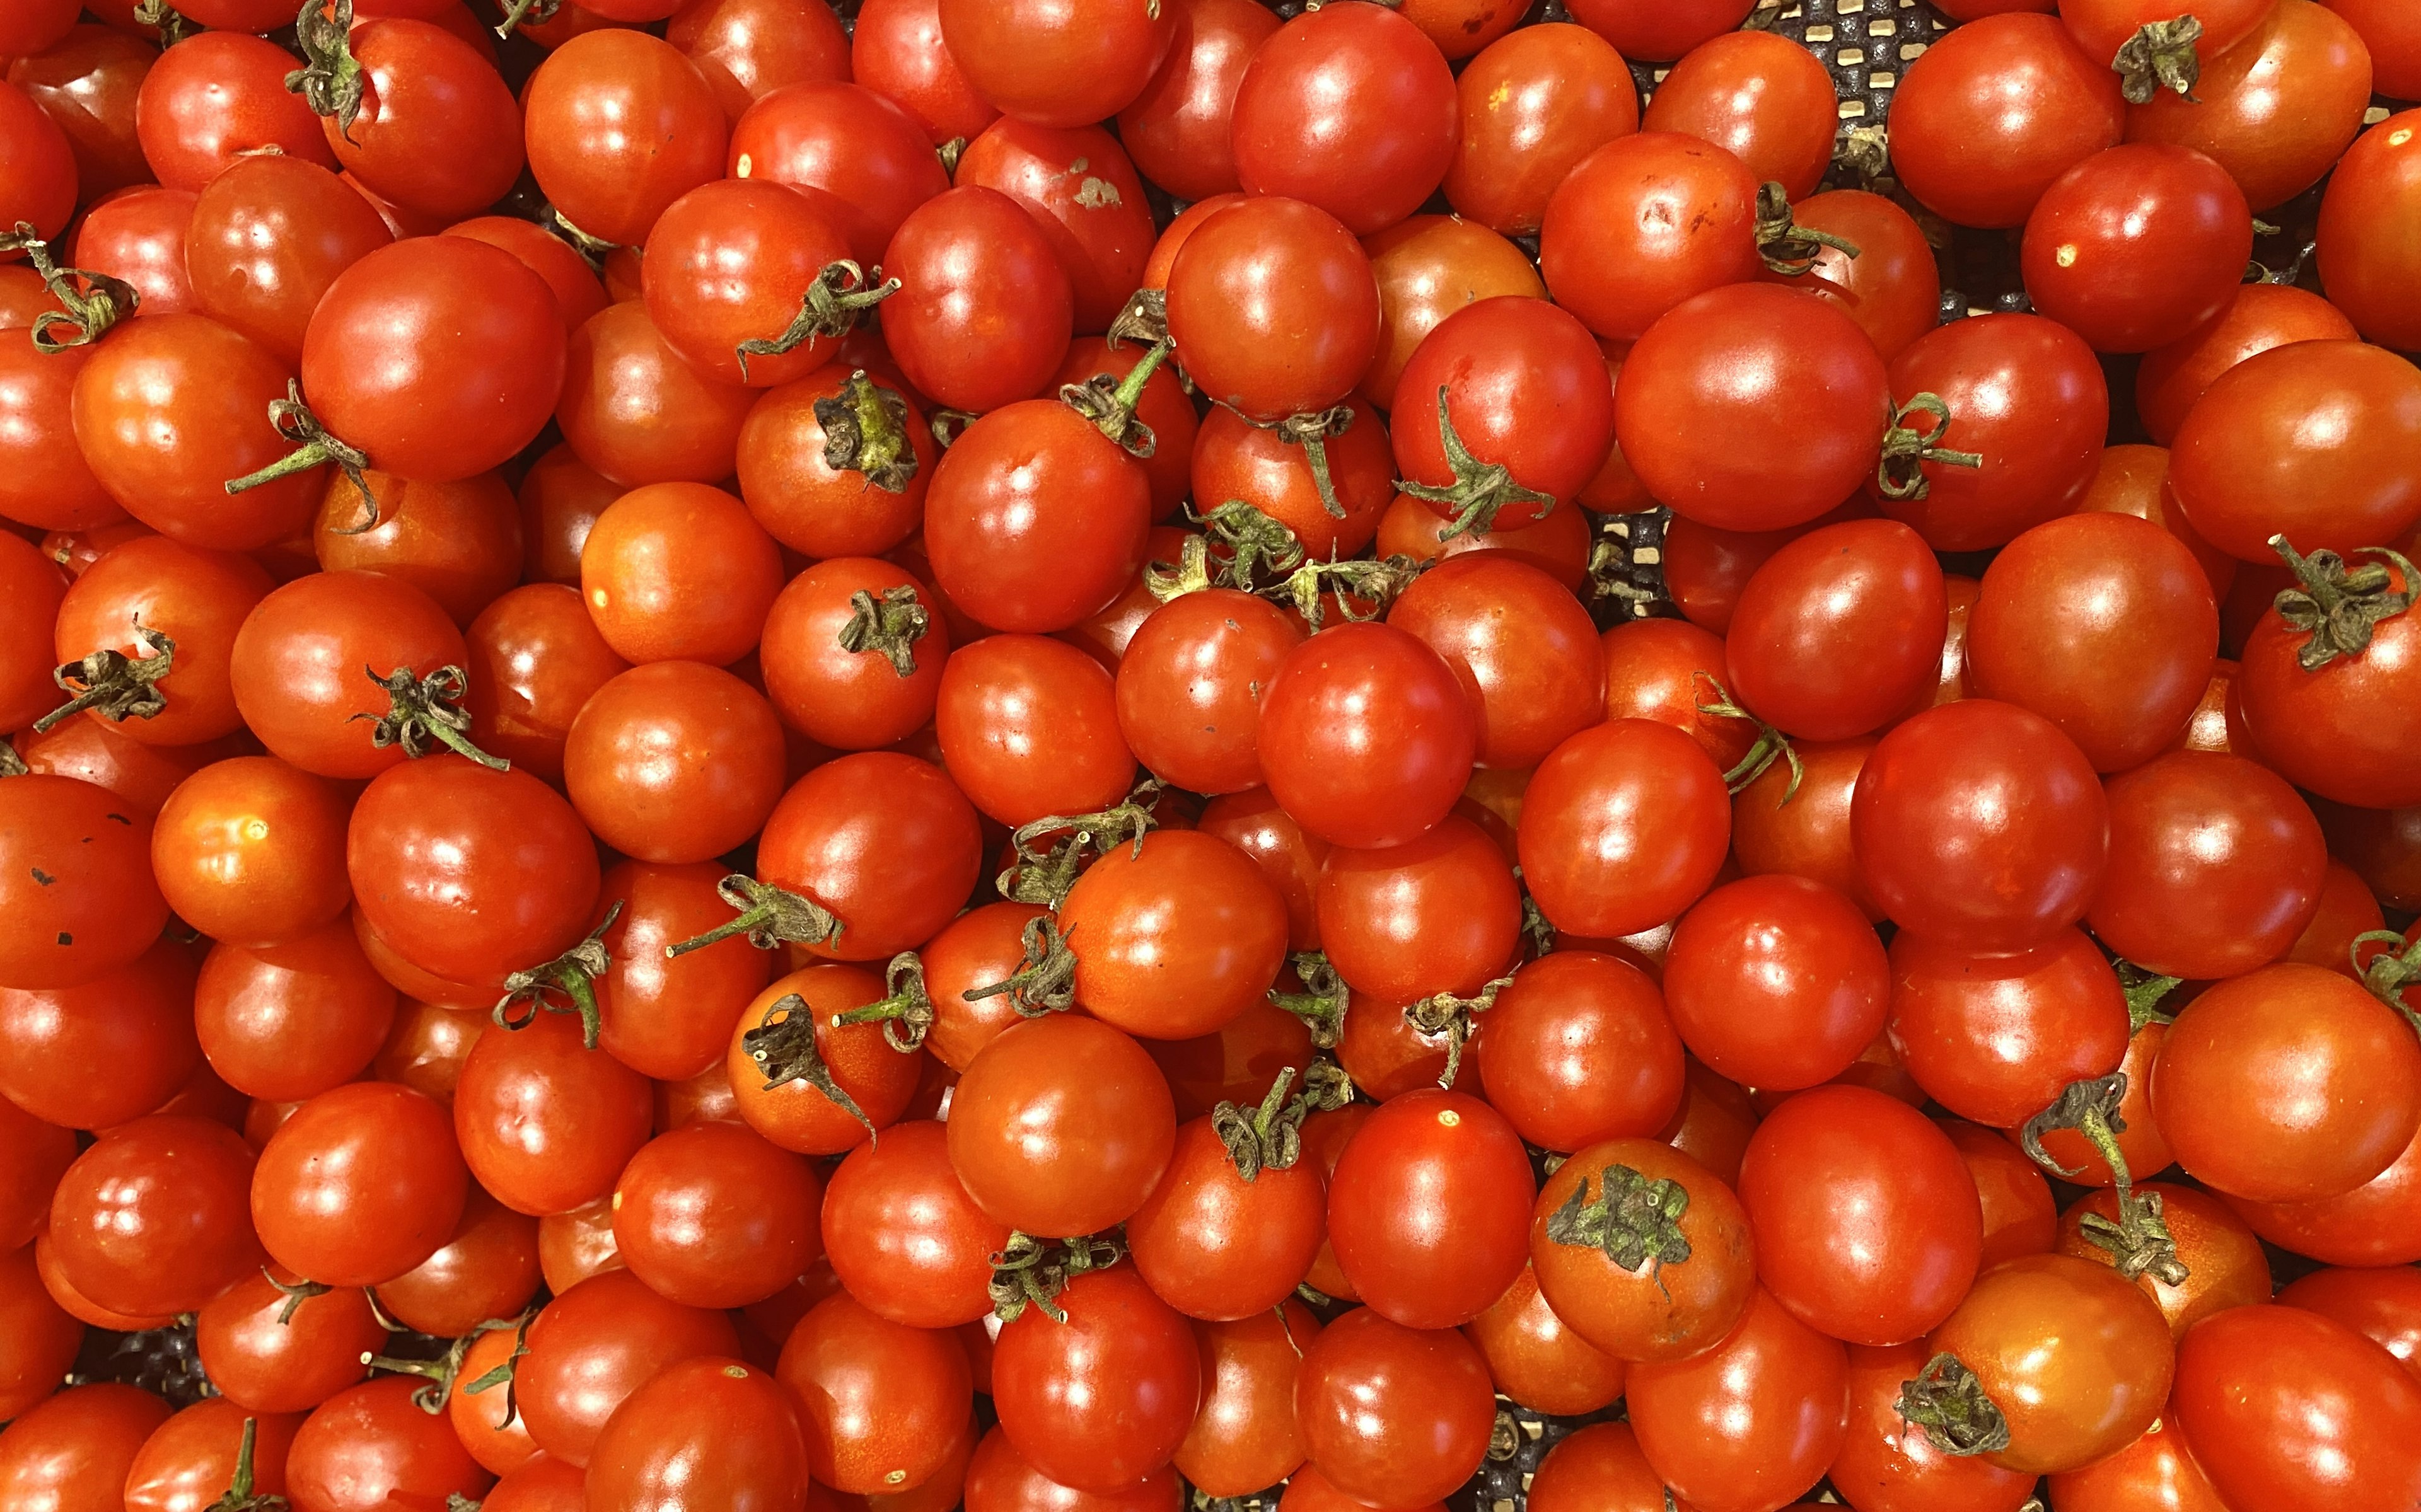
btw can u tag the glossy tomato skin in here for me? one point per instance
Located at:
(652, 600)
(1998, 111)
(1579, 1048)
(1839, 629)
(730, 262)
(620, 125)
(884, 841)
(1439, 914)
(2027, 396)
(1352, 111)
(2306, 1057)
(363, 1183)
(634, 412)
(291, 1021)
(2272, 153)
(746, 48)
(1994, 1037)
(1751, 1421)
(1720, 366)
(596, 1344)
(1500, 368)
(1189, 687)
(1429, 268)
(1887, 1464)
(1177, 128)
(438, 133)
(985, 309)
(72, 1451)
(1097, 220)
(2339, 732)
(2137, 245)
(1758, 96)
(1675, 211)
(152, 1219)
(1035, 519)
(2378, 175)
(1217, 1247)
(2103, 624)
(2244, 1376)
(883, 1404)
(1980, 824)
(536, 657)
(1866, 1223)
(2378, 1304)
(138, 234)
(1061, 1126)
(904, 1236)
(1776, 982)
(1428, 1209)
(2261, 317)
(1028, 726)
(1102, 1400)
(1000, 1479)
(714, 1215)
(1656, 1311)
(1055, 65)
(1174, 937)
(817, 510)
(1273, 305)
(2225, 1264)
(898, 52)
(1245, 1433)
(1601, 857)
(1394, 1413)
(1366, 736)
(95, 907)
(200, 111)
(674, 762)
(703, 1429)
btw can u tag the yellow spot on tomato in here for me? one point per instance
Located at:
(1450, 1119)
(2066, 257)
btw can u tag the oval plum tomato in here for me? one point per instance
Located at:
(2339, 417)
(469, 873)
(733, 271)
(2271, 152)
(1086, 198)
(703, 1429)
(1776, 982)
(999, 1480)
(272, 1345)
(1189, 688)
(2221, 1263)
(1428, 1209)
(2068, 1355)
(2215, 866)
(1676, 215)
(288, 1022)
(2277, 1402)
(194, 600)
(883, 1404)
(363, 1183)
(1174, 936)
(2103, 624)
(439, 358)
(188, 1459)
(984, 309)
(1061, 1126)
(2378, 1304)
(135, 1018)
(1535, 1358)
(1177, 128)
(896, 51)
(1578, 1049)
(1994, 111)
(544, 1124)
(1366, 737)
(886, 845)
(1743, 1422)
(1624, 825)
(42, 167)
(313, 663)
(89, 81)
(2261, 317)
(620, 125)
(1103, 1399)
(170, 408)
(1398, 1416)
(152, 1219)
(71, 1452)
(852, 659)
(2137, 246)
(1028, 726)
(1807, 836)
(746, 48)
(856, 147)
(1440, 914)
(78, 893)
(1036, 518)
(138, 236)
(1887, 1464)
(1996, 1036)
(904, 1237)
(1659, 669)
(2024, 396)
(1979, 824)
(2156, 60)
(201, 112)
(2379, 176)
(1245, 1433)
(1867, 1225)
(1891, 288)
(1349, 110)
(1752, 407)
(1537, 413)
(1059, 65)
(2339, 729)
(1274, 308)
(855, 488)
(534, 659)
(674, 761)
(437, 133)
(634, 412)
(1839, 629)
(1642, 1283)
(1763, 98)
(1660, 30)
(1225, 1236)
(2323, 1070)
(713, 1215)
(1429, 267)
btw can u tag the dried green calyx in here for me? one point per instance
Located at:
(1321, 1003)
(1444, 1013)
(1948, 1402)
(1046, 982)
(837, 299)
(1030, 1274)
(1901, 473)
(1787, 247)
(89, 303)
(866, 432)
(314, 447)
(890, 627)
(2339, 606)
(905, 1011)
(1052, 853)
(1634, 1223)
(113, 685)
(572, 976)
(2161, 56)
(422, 710)
(769, 916)
(782, 1045)
(1479, 490)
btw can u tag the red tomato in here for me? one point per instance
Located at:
(747, 48)
(595, 1345)
(1776, 982)
(1061, 1126)
(707, 1429)
(2137, 246)
(1440, 913)
(2262, 316)
(620, 125)
(1887, 1464)
(363, 1183)
(1274, 305)
(1349, 110)
(1642, 1283)
(1660, 30)
(1763, 98)
(1103, 1399)
(734, 266)
(270, 1344)
(904, 1236)
(200, 112)
(1996, 1036)
(1179, 127)
(1676, 215)
(152, 1219)
(984, 311)
(1508, 360)
(1602, 856)
(1578, 1048)
(1396, 1414)
(1035, 519)
(898, 52)
(1839, 629)
(2278, 1402)
(2378, 178)
(1059, 65)
(1174, 936)
(72, 1453)
(1994, 111)
(1428, 1209)
(674, 762)
(1086, 198)
(1751, 1421)
(1366, 737)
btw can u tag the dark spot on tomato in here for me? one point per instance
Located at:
(42, 877)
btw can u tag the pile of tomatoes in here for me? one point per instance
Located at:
(1091, 755)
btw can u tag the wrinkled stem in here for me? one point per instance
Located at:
(1442, 1013)
(1479, 490)
(890, 627)
(420, 709)
(906, 1013)
(2161, 56)
(573, 974)
(113, 685)
(89, 303)
(1321, 1004)
(2338, 606)
(331, 80)
(314, 447)
(1046, 983)
(866, 432)
(769, 916)
(837, 299)
(1769, 744)
(1901, 473)
(1787, 247)
(782, 1045)
(1948, 1403)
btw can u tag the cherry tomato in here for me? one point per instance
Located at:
(1996, 1036)
(706, 1428)
(898, 52)
(79, 896)
(1428, 1209)
(2262, 316)
(1578, 1049)
(1839, 629)
(488, 1269)
(1675, 213)
(1660, 31)
(1747, 1421)
(1274, 308)
(636, 414)
(561, 497)
(578, 294)
(1059, 65)
(1061, 1126)
(747, 48)
(1177, 128)
(72, 1451)
(1244, 1433)
(2158, 1470)
(985, 308)
(152, 1217)
(363, 1183)
(711, 1215)
(882, 1402)
(2203, 911)
(1508, 360)
(2137, 245)
(2277, 1401)
(1236, 459)
(1103, 1399)
(852, 144)
(1601, 855)
(1391, 1413)
(191, 1459)
(2221, 1260)
(1763, 98)
(2367, 270)
(1887, 1464)
(1891, 288)
(438, 133)
(270, 1343)
(1189, 687)
(1367, 80)
(1427, 268)
(1086, 198)
(200, 112)
(138, 236)
(1365, 736)
(1291, 858)
(2376, 1303)
(288, 1022)
(595, 1345)
(678, 572)
(1695, 1270)
(1439, 914)
(1986, 118)
(1776, 982)
(674, 762)
(2274, 154)
(2103, 27)
(1175, 936)
(620, 125)
(865, 498)
(905, 1238)
(999, 1480)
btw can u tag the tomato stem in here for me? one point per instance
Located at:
(782, 1045)
(12, 764)
(157, 15)
(573, 974)
(91, 302)
(1046, 983)
(1769, 744)
(769, 916)
(2144, 992)
(2391, 971)
(517, 12)
(2161, 56)
(1479, 490)
(866, 432)
(506, 1373)
(890, 627)
(1442, 1013)
(240, 1496)
(314, 447)
(2139, 1243)
(1044, 875)
(420, 709)
(330, 79)
(1634, 1223)
(1948, 1402)
(295, 1292)
(907, 1014)
(2339, 606)
(1787, 247)
(1109, 403)
(113, 685)
(1321, 1004)
(836, 300)
(1362, 589)
(1027, 1273)
(1901, 473)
